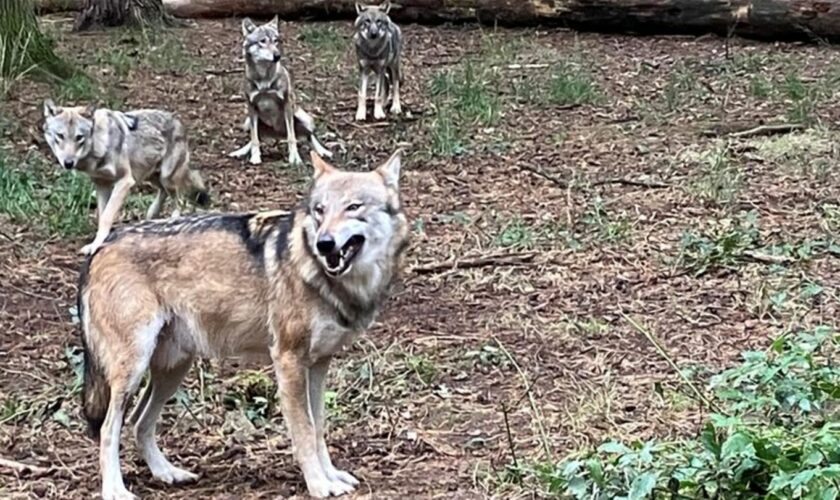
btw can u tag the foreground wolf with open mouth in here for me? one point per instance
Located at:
(293, 287)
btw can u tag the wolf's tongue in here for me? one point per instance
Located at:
(333, 259)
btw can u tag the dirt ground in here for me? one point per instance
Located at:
(569, 221)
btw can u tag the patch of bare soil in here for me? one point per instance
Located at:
(597, 203)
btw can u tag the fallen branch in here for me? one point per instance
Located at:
(22, 467)
(539, 172)
(765, 258)
(631, 182)
(764, 130)
(507, 259)
(224, 71)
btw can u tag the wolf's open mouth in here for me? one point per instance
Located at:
(339, 261)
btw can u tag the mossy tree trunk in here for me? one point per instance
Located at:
(137, 13)
(23, 48)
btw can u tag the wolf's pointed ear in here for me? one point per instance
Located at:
(89, 110)
(390, 170)
(385, 6)
(359, 8)
(275, 22)
(248, 26)
(321, 167)
(50, 109)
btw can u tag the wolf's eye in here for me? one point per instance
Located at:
(264, 41)
(60, 137)
(353, 207)
(319, 209)
(80, 138)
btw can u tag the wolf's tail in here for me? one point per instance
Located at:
(198, 192)
(96, 392)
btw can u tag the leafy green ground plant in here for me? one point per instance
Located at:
(777, 437)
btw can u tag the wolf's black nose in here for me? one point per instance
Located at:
(276, 57)
(68, 164)
(325, 245)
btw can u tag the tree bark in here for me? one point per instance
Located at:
(24, 50)
(771, 19)
(108, 13)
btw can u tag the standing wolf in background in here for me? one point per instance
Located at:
(378, 46)
(292, 287)
(118, 150)
(272, 107)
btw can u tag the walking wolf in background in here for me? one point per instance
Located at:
(378, 46)
(272, 106)
(292, 287)
(118, 150)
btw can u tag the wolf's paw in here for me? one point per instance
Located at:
(118, 493)
(294, 159)
(241, 152)
(379, 113)
(361, 114)
(256, 158)
(90, 248)
(396, 109)
(170, 474)
(344, 477)
(327, 488)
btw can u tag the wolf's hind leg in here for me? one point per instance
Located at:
(123, 379)
(154, 209)
(163, 383)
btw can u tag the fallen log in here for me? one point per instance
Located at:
(765, 19)
(770, 19)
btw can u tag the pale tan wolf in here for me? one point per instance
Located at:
(272, 104)
(378, 50)
(290, 287)
(118, 150)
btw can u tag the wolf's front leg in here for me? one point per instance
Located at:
(396, 107)
(111, 211)
(379, 98)
(317, 387)
(256, 157)
(293, 381)
(291, 137)
(361, 109)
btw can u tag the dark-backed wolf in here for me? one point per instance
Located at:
(378, 49)
(118, 150)
(272, 104)
(290, 287)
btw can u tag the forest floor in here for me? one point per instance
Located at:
(561, 186)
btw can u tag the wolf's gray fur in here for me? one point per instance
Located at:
(119, 149)
(378, 47)
(272, 107)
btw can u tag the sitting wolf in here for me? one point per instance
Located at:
(272, 107)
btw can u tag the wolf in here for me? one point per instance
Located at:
(378, 48)
(119, 149)
(289, 287)
(272, 105)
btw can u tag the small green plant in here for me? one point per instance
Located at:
(778, 437)
(719, 179)
(77, 89)
(516, 233)
(801, 98)
(56, 202)
(760, 87)
(571, 84)
(682, 84)
(325, 40)
(253, 393)
(607, 227)
(118, 59)
(721, 248)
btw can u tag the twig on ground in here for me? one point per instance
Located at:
(497, 259)
(784, 128)
(511, 445)
(661, 350)
(631, 182)
(22, 467)
(767, 258)
(538, 171)
(223, 71)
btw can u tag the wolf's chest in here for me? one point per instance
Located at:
(328, 337)
(269, 107)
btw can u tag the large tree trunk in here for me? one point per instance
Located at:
(756, 18)
(106, 13)
(24, 50)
